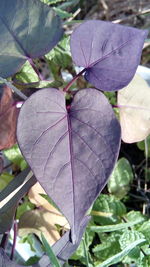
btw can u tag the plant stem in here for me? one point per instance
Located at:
(14, 239)
(18, 92)
(146, 169)
(73, 80)
(35, 69)
(4, 240)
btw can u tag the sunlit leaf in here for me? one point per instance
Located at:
(5, 178)
(36, 198)
(37, 222)
(108, 205)
(134, 109)
(15, 156)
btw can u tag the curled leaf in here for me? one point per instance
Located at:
(134, 110)
(110, 53)
(71, 153)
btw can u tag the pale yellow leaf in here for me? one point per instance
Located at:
(37, 222)
(134, 109)
(39, 201)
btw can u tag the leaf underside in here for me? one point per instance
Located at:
(71, 153)
(109, 52)
(30, 31)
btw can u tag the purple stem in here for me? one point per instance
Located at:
(73, 80)
(4, 240)
(35, 69)
(14, 240)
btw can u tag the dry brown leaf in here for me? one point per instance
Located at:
(8, 118)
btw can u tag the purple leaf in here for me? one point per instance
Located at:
(109, 52)
(71, 153)
(29, 29)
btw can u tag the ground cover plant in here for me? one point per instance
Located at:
(69, 135)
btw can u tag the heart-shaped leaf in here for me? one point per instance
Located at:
(110, 53)
(8, 118)
(71, 153)
(29, 29)
(134, 110)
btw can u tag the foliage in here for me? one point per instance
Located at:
(70, 138)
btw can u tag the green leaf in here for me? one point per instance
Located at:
(32, 261)
(130, 236)
(25, 206)
(5, 179)
(52, 2)
(114, 227)
(27, 74)
(60, 55)
(145, 230)
(88, 239)
(108, 247)
(112, 97)
(141, 145)
(120, 179)
(14, 155)
(63, 14)
(118, 257)
(30, 240)
(50, 253)
(108, 204)
(134, 215)
(71, 3)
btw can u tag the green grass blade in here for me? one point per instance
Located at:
(114, 227)
(118, 257)
(53, 259)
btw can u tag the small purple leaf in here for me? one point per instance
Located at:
(71, 153)
(110, 52)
